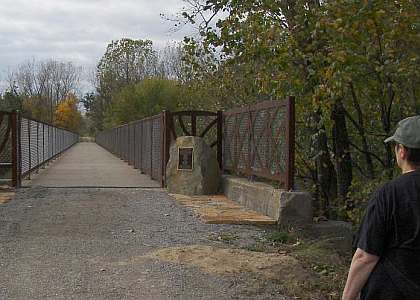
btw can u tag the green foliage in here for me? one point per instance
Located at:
(143, 99)
(125, 62)
(359, 57)
(281, 236)
(10, 101)
(353, 67)
(358, 197)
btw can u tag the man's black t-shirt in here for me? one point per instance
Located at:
(391, 230)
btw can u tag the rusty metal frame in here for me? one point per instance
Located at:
(10, 138)
(237, 138)
(193, 115)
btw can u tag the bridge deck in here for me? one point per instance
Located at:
(89, 165)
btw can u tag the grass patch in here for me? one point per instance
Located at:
(257, 247)
(319, 256)
(281, 236)
(225, 237)
(328, 266)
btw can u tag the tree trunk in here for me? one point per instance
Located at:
(360, 126)
(341, 143)
(327, 179)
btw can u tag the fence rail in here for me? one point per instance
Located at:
(27, 144)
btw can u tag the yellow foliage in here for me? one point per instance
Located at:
(67, 114)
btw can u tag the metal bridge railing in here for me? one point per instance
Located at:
(256, 140)
(140, 143)
(27, 144)
(145, 144)
(259, 139)
(40, 142)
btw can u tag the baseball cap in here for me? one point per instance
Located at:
(407, 133)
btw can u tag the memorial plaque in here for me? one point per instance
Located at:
(185, 158)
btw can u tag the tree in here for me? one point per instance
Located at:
(125, 62)
(353, 67)
(48, 81)
(10, 100)
(143, 99)
(67, 114)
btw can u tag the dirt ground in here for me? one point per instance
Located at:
(88, 243)
(132, 243)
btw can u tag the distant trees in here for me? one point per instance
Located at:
(10, 100)
(67, 114)
(44, 84)
(126, 68)
(146, 98)
(125, 62)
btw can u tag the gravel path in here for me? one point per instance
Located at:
(90, 243)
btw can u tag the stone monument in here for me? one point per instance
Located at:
(192, 168)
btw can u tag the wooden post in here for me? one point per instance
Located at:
(290, 143)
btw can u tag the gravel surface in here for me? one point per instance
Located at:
(91, 243)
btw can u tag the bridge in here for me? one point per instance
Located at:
(93, 220)
(253, 141)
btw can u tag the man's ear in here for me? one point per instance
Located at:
(402, 151)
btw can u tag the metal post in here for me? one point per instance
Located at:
(151, 147)
(134, 146)
(19, 143)
(220, 138)
(250, 160)
(43, 143)
(15, 157)
(141, 148)
(193, 124)
(163, 148)
(290, 143)
(37, 147)
(29, 148)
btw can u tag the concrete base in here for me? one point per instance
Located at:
(283, 206)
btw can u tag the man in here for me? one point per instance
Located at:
(386, 264)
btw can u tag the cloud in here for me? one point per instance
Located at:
(79, 30)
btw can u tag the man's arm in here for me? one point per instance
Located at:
(361, 266)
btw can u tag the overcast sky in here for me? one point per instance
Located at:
(79, 30)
